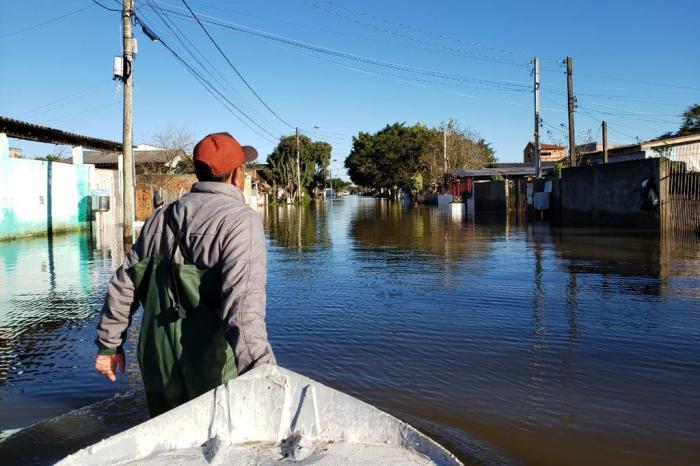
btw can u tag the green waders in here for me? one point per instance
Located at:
(182, 350)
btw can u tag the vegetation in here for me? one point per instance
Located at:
(340, 185)
(690, 125)
(411, 158)
(314, 159)
(175, 141)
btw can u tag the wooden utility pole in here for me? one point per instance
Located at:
(127, 133)
(572, 104)
(444, 150)
(298, 167)
(538, 162)
(605, 142)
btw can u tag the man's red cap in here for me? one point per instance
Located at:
(222, 153)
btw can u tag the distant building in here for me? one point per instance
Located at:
(548, 153)
(684, 149)
(16, 153)
(592, 147)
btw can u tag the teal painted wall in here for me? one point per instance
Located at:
(36, 195)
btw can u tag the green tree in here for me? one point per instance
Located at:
(690, 125)
(389, 158)
(691, 121)
(314, 158)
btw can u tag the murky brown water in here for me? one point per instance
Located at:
(505, 342)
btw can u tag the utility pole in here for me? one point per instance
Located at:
(127, 134)
(572, 104)
(605, 142)
(444, 158)
(298, 167)
(538, 162)
(444, 149)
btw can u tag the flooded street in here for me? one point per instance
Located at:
(502, 341)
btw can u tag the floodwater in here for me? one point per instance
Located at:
(506, 342)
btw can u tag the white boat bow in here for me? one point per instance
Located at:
(268, 416)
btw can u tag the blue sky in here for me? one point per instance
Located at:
(472, 58)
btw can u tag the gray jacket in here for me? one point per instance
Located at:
(219, 230)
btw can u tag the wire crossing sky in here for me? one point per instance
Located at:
(337, 67)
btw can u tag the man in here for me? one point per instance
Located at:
(198, 270)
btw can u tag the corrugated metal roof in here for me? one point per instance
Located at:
(31, 132)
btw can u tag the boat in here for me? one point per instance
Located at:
(269, 415)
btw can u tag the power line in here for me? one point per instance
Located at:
(60, 102)
(44, 23)
(158, 10)
(609, 127)
(330, 31)
(414, 81)
(368, 60)
(179, 35)
(460, 52)
(647, 83)
(217, 94)
(223, 54)
(105, 7)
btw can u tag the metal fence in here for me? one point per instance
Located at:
(680, 187)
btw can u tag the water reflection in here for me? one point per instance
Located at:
(387, 227)
(50, 291)
(298, 228)
(555, 346)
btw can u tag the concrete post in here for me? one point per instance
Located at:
(77, 155)
(4, 146)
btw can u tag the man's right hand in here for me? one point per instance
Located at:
(107, 365)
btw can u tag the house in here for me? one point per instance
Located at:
(495, 188)
(548, 153)
(15, 153)
(148, 159)
(684, 149)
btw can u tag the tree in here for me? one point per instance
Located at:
(690, 125)
(691, 121)
(314, 158)
(339, 185)
(412, 157)
(388, 159)
(465, 149)
(58, 154)
(175, 141)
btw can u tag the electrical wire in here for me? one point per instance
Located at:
(177, 33)
(75, 115)
(349, 56)
(218, 95)
(610, 128)
(105, 7)
(223, 54)
(412, 80)
(460, 52)
(60, 102)
(182, 38)
(44, 23)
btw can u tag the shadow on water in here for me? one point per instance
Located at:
(50, 441)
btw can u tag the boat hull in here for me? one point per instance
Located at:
(265, 416)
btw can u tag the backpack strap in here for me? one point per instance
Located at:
(179, 235)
